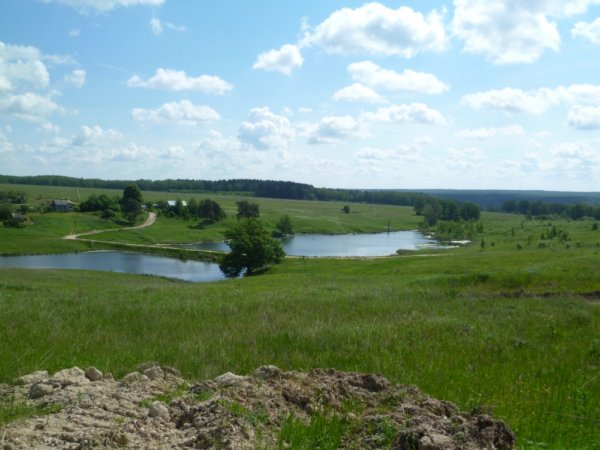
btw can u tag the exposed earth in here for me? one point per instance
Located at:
(156, 408)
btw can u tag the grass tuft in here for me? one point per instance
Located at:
(17, 410)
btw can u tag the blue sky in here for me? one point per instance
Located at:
(396, 94)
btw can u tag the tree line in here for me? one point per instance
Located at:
(539, 208)
(259, 188)
(435, 209)
(431, 208)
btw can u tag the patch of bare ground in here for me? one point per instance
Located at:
(593, 296)
(156, 408)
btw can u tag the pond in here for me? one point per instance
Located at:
(319, 245)
(348, 245)
(137, 263)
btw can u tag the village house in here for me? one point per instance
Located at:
(173, 203)
(61, 206)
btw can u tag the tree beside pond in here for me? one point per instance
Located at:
(283, 227)
(131, 203)
(252, 249)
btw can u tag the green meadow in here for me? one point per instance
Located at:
(509, 324)
(308, 217)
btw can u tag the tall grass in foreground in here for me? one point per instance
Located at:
(450, 324)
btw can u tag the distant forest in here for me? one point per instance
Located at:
(541, 209)
(257, 188)
(431, 208)
(494, 200)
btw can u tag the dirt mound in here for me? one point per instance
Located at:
(157, 408)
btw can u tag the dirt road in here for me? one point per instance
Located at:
(149, 221)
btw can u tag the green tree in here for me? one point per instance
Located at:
(179, 209)
(210, 211)
(5, 211)
(247, 210)
(346, 209)
(252, 249)
(98, 203)
(192, 207)
(431, 213)
(284, 227)
(133, 191)
(108, 214)
(131, 203)
(469, 211)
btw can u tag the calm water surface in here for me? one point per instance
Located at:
(372, 244)
(375, 244)
(137, 263)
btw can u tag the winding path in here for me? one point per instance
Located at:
(149, 221)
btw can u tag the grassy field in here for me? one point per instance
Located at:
(512, 325)
(307, 217)
(44, 234)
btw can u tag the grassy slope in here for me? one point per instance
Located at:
(45, 234)
(500, 326)
(307, 217)
(440, 323)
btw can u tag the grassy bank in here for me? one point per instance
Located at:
(510, 323)
(518, 335)
(44, 234)
(307, 217)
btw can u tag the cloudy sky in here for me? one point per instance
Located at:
(501, 94)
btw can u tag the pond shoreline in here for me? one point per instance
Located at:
(350, 245)
(122, 262)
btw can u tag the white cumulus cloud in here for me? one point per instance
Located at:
(507, 31)
(584, 117)
(375, 76)
(334, 129)
(379, 30)
(76, 78)
(265, 130)
(183, 112)
(588, 30)
(516, 31)
(284, 60)
(21, 67)
(25, 89)
(536, 101)
(94, 135)
(358, 93)
(487, 133)
(178, 80)
(514, 100)
(588, 94)
(407, 113)
(28, 106)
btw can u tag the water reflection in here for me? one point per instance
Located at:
(372, 244)
(136, 263)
